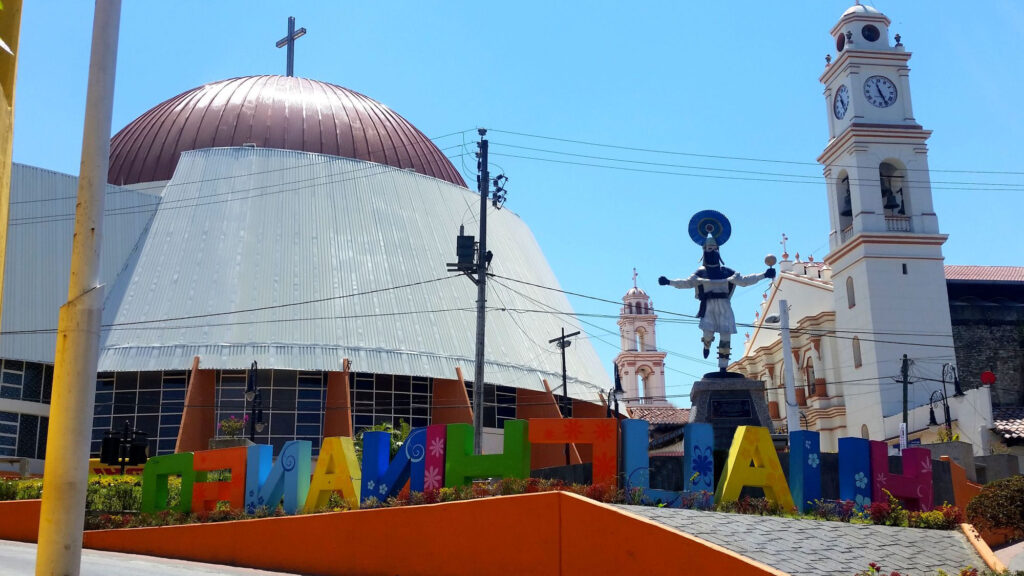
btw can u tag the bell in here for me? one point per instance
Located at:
(847, 206)
(891, 203)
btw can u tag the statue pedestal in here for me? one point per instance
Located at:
(726, 404)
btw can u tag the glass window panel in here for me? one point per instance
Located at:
(8, 417)
(32, 386)
(278, 443)
(173, 395)
(170, 419)
(15, 365)
(105, 381)
(12, 392)
(150, 380)
(149, 401)
(310, 382)
(419, 422)
(309, 406)
(126, 381)
(285, 378)
(363, 420)
(165, 446)
(169, 432)
(382, 401)
(282, 424)
(308, 418)
(403, 384)
(44, 428)
(420, 412)
(28, 433)
(382, 382)
(307, 429)
(490, 417)
(364, 398)
(282, 399)
(307, 394)
(379, 419)
(11, 429)
(47, 383)
(364, 383)
(420, 387)
(507, 412)
(124, 402)
(147, 424)
(98, 433)
(4, 450)
(101, 422)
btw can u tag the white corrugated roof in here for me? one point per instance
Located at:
(39, 254)
(244, 228)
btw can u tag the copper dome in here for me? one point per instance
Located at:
(271, 112)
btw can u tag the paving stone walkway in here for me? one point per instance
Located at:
(815, 547)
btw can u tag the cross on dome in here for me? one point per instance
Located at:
(289, 41)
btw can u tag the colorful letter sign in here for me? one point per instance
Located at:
(462, 466)
(154, 481)
(698, 458)
(288, 478)
(601, 433)
(804, 467)
(205, 495)
(337, 470)
(383, 477)
(855, 471)
(754, 444)
(913, 487)
(636, 461)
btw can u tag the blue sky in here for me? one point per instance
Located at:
(736, 79)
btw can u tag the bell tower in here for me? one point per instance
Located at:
(885, 246)
(640, 362)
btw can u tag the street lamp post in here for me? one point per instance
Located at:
(945, 408)
(255, 397)
(615, 393)
(957, 390)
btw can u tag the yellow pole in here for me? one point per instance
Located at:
(10, 25)
(66, 474)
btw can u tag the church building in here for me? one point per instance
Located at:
(292, 230)
(880, 295)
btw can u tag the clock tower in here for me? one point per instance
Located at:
(885, 248)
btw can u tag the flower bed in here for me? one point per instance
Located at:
(113, 501)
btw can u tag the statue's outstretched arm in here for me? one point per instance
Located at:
(690, 282)
(746, 279)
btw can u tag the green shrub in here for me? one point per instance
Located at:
(1000, 505)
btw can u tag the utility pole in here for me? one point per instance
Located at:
(62, 513)
(905, 377)
(477, 272)
(483, 183)
(563, 343)
(792, 410)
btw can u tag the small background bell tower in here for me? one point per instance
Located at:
(641, 366)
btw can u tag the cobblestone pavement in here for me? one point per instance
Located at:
(813, 547)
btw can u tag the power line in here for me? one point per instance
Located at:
(726, 157)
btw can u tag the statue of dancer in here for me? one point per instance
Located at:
(715, 283)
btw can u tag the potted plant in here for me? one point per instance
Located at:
(230, 433)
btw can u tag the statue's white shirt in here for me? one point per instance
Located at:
(718, 315)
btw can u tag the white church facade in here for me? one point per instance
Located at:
(880, 293)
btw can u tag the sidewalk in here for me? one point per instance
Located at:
(1012, 556)
(19, 559)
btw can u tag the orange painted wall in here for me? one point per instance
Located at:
(554, 533)
(338, 406)
(584, 409)
(449, 404)
(19, 520)
(536, 404)
(198, 420)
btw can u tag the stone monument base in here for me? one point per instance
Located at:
(728, 403)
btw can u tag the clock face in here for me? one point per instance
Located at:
(880, 91)
(841, 102)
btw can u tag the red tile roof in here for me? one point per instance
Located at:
(986, 273)
(1009, 421)
(660, 414)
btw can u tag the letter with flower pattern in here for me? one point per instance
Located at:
(154, 481)
(601, 433)
(855, 471)
(462, 466)
(913, 487)
(433, 470)
(804, 467)
(383, 479)
(337, 470)
(205, 495)
(698, 457)
(288, 478)
(754, 443)
(636, 461)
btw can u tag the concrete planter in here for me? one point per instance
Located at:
(960, 452)
(226, 442)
